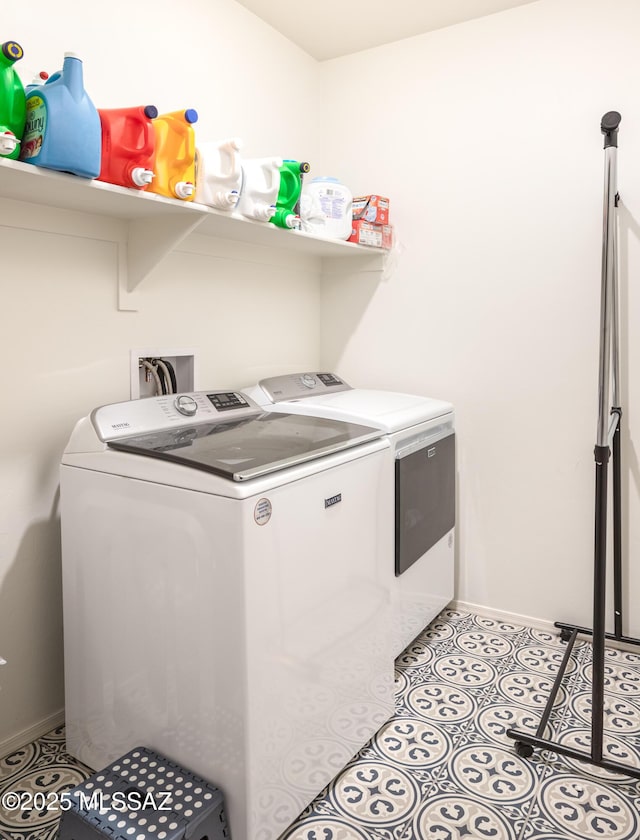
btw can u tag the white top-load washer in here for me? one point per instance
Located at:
(224, 595)
(420, 568)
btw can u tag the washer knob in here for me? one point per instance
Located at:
(186, 405)
(309, 381)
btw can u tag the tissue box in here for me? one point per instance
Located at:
(371, 208)
(366, 233)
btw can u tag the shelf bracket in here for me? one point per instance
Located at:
(369, 263)
(149, 240)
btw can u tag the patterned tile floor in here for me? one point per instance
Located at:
(443, 768)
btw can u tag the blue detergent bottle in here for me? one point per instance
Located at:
(62, 130)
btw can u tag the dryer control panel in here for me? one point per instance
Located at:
(296, 386)
(119, 420)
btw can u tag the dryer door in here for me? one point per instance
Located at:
(425, 499)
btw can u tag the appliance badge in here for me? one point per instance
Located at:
(333, 500)
(262, 511)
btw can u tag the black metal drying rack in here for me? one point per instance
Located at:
(608, 442)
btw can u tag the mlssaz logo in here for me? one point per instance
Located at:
(333, 500)
(120, 425)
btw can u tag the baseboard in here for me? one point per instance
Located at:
(32, 733)
(507, 617)
(528, 621)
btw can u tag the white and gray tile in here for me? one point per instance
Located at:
(443, 767)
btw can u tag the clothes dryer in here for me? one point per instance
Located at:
(420, 564)
(224, 601)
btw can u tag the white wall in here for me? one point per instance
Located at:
(486, 138)
(65, 346)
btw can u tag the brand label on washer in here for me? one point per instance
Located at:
(333, 500)
(262, 511)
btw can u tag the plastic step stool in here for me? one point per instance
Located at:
(144, 796)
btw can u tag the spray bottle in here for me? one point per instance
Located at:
(38, 80)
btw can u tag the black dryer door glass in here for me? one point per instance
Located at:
(425, 500)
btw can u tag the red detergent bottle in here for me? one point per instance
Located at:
(128, 146)
(12, 101)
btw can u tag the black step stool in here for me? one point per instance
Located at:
(144, 796)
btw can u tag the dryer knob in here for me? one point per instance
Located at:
(308, 380)
(186, 405)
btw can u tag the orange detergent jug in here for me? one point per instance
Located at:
(175, 160)
(128, 145)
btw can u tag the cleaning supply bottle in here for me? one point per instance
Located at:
(219, 173)
(38, 80)
(12, 101)
(325, 208)
(175, 160)
(291, 174)
(260, 187)
(128, 145)
(63, 127)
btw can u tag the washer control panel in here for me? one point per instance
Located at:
(228, 400)
(298, 385)
(186, 405)
(118, 420)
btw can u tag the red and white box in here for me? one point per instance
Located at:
(371, 208)
(366, 233)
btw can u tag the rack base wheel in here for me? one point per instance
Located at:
(565, 634)
(524, 750)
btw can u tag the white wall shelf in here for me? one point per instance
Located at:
(156, 225)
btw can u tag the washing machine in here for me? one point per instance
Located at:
(420, 565)
(224, 595)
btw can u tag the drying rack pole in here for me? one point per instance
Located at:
(607, 445)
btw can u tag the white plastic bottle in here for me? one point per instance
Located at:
(219, 173)
(325, 208)
(260, 187)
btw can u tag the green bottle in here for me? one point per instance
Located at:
(291, 173)
(12, 101)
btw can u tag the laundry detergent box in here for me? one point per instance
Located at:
(367, 233)
(371, 208)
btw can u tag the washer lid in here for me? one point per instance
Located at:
(247, 448)
(390, 411)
